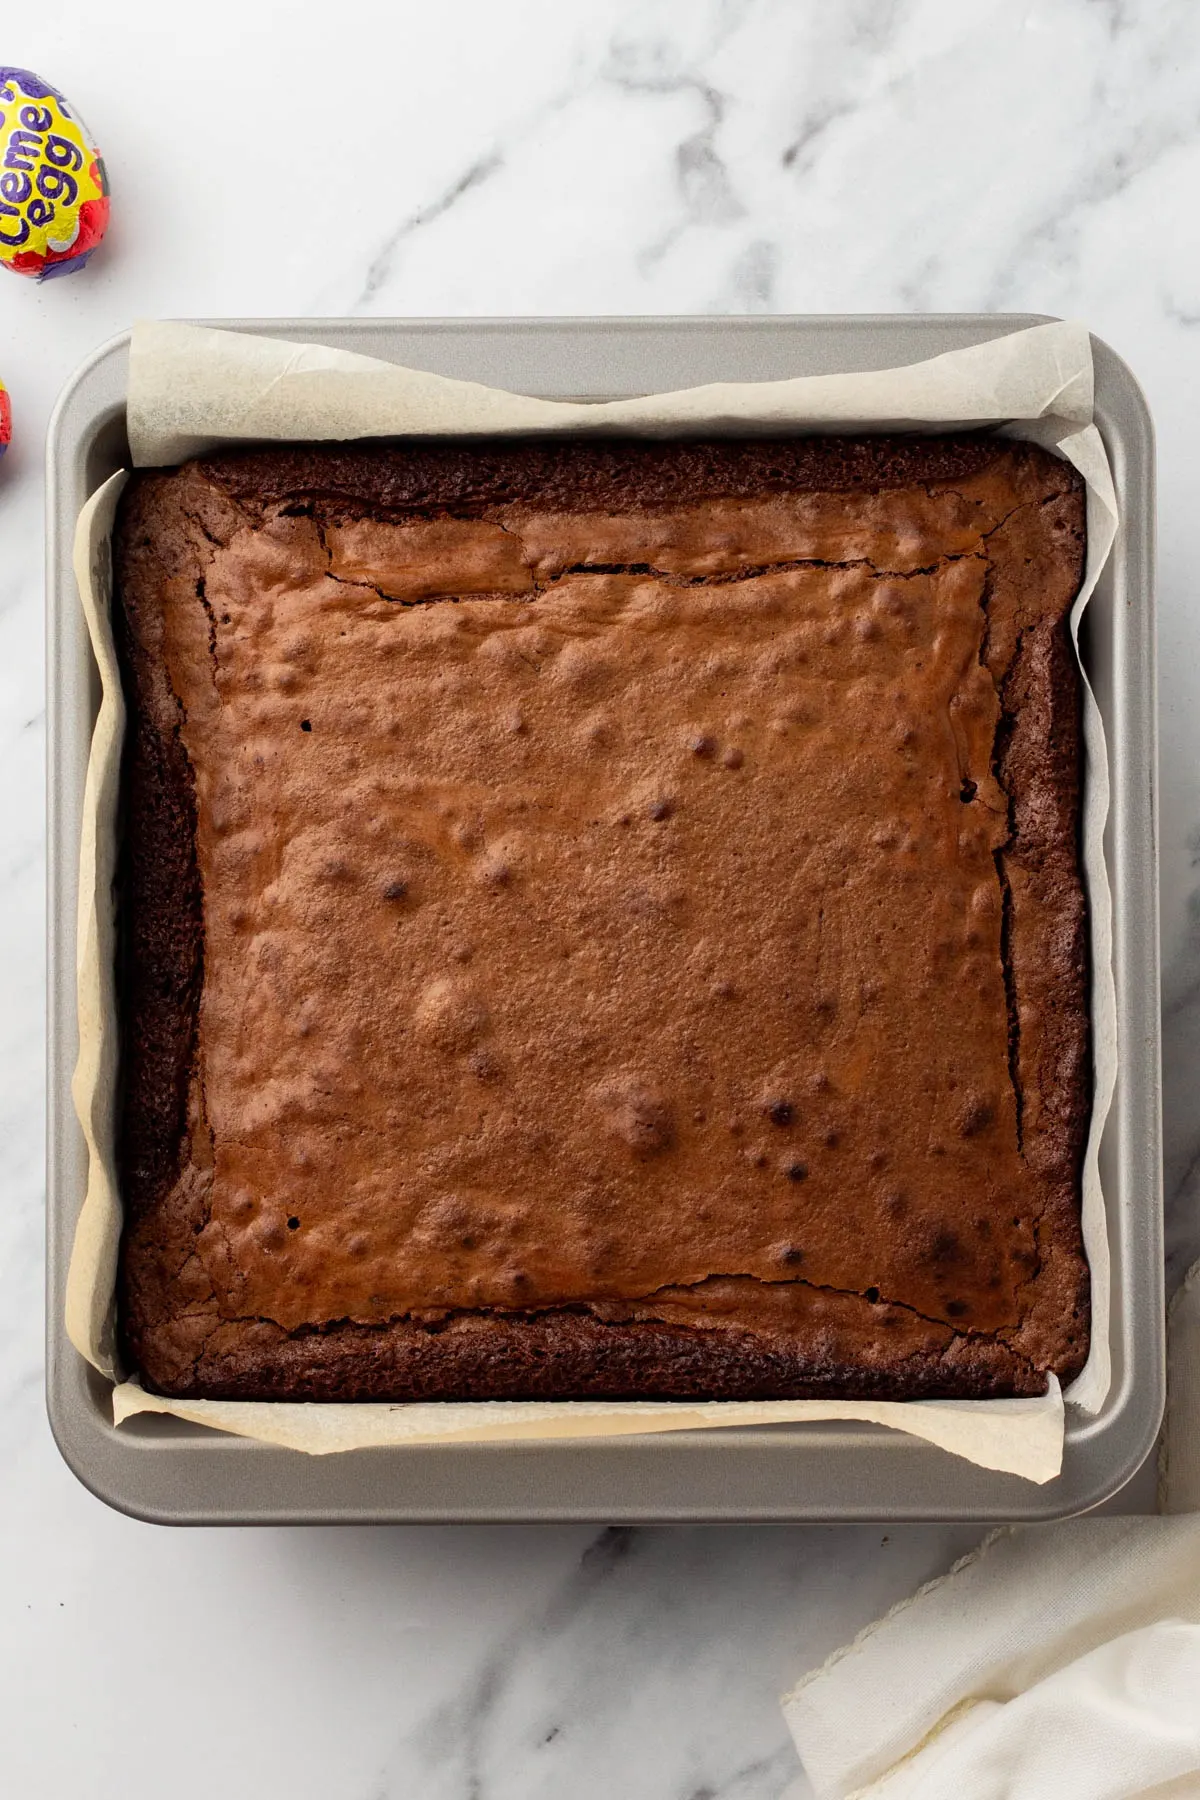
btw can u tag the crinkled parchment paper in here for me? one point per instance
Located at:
(192, 389)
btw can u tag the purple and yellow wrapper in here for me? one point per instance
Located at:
(53, 188)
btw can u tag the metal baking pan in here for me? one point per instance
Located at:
(164, 1470)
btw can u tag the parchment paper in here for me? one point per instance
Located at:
(92, 1275)
(192, 389)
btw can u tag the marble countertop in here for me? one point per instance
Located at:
(621, 156)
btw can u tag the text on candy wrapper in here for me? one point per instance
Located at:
(35, 145)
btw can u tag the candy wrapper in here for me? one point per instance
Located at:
(53, 188)
(5, 419)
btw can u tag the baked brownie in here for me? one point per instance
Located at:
(603, 919)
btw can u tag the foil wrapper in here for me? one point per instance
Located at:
(53, 187)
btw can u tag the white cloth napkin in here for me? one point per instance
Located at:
(1057, 1662)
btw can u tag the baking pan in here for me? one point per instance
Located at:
(168, 1471)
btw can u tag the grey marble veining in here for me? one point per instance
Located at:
(621, 156)
(588, 1692)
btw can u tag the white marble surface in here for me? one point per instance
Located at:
(534, 157)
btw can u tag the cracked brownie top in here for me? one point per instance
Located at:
(603, 918)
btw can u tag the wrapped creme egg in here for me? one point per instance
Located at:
(53, 189)
(5, 419)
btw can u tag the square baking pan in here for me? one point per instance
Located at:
(162, 1469)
